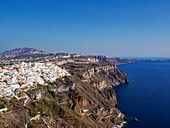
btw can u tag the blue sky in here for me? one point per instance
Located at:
(136, 28)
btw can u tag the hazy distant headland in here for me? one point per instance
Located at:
(31, 54)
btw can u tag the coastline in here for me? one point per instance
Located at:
(144, 94)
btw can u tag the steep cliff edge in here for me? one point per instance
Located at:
(84, 99)
(97, 104)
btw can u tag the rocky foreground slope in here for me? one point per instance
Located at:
(84, 99)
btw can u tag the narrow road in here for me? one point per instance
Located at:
(26, 101)
(36, 117)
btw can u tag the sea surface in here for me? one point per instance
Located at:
(147, 96)
(147, 58)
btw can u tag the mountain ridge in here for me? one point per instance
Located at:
(21, 51)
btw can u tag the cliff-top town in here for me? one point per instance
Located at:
(36, 90)
(26, 76)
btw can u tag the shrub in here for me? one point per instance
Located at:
(2, 106)
(32, 113)
(52, 93)
(50, 83)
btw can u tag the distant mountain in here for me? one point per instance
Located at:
(21, 51)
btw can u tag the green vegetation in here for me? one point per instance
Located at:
(52, 93)
(50, 83)
(2, 106)
(13, 100)
(32, 113)
(45, 102)
(73, 94)
(30, 125)
(66, 80)
(26, 61)
(48, 108)
(33, 104)
(31, 91)
(1, 65)
(112, 120)
(49, 105)
(3, 100)
(65, 76)
(53, 108)
(72, 113)
(39, 85)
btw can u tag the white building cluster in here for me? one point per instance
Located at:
(24, 74)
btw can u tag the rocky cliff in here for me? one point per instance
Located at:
(97, 104)
(84, 99)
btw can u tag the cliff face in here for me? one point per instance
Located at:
(97, 104)
(84, 99)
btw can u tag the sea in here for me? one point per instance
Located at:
(146, 96)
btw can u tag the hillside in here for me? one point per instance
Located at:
(21, 51)
(83, 100)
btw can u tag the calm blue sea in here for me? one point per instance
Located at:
(147, 96)
(147, 58)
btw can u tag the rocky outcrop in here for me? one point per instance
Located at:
(18, 117)
(101, 77)
(97, 104)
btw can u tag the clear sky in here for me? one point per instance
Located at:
(138, 28)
